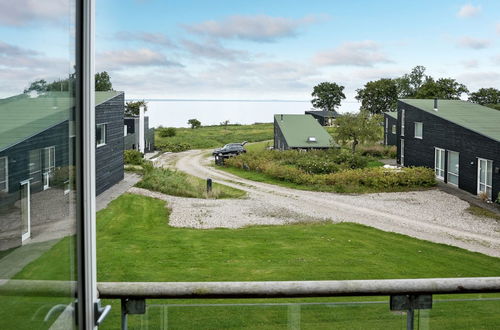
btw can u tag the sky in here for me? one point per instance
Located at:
(253, 50)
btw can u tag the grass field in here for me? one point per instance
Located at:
(216, 136)
(135, 243)
(178, 183)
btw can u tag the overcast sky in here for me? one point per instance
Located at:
(254, 49)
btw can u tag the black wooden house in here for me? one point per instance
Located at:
(37, 144)
(324, 118)
(390, 131)
(460, 140)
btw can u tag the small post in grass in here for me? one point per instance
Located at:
(209, 186)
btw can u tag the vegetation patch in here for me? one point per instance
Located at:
(213, 136)
(482, 212)
(181, 184)
(332, 170)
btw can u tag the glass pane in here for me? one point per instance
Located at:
(482, 171)
(37, 75)
(489, 170)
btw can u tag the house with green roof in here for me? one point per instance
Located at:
(460, 140)
(300, 132)
(37, 150)
(390, 124)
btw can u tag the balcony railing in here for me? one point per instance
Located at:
(405, 295)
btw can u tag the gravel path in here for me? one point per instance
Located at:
(431, 215)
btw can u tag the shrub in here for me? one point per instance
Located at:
(166, 131)
(133, 157)
(173, 146)
(378, 151)
(498, 198)
(62, 175)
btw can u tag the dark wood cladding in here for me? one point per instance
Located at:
(441, 133)
(109, 158)
(279, 138)
(390, 139)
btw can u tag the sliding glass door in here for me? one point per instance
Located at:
(484, 177)
(453, 167)
(439, 161)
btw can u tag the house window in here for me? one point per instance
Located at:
(393, 129)
(49, 164)
(419, 128)
(402, 152)
(4, 174)
(402, 122)
(35, 166)
(100, 134)
(453, 167)
(439, 163)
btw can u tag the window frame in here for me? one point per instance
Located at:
(6, 169)
(442, 153)
(104, 134)
(421, 136)
(402, 122)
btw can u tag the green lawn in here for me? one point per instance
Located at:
(216, 136)
(135, 243)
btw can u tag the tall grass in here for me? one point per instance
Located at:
(181, 184)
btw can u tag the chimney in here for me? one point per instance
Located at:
(435, 104)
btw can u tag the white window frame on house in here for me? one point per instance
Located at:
(402, 122)
(6, 171)
(393, 131)
(488, 188)
(103, 140)
(402, 156)
(49, 165)
(419, 130)
(439, 162)
(450, 173)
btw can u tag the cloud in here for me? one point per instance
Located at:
(359, 53)
(12, 50)
(469, 64)
(496, 59)
(212, 49)
(126, 58)
(23, 12)
(468, 10)
(498, 28)
(147, 37)
(473, 43)
(476, 80)
(261, 28)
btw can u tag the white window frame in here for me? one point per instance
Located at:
(402, 122)
(402, 156)
(393, 129)
(6, 169)
(421, 130)
(48, 169)
(486, 185)
(439, 170)
(448, 173)
(103, 134)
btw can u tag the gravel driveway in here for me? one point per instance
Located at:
(431, 215)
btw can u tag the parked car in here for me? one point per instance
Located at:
(230, 149)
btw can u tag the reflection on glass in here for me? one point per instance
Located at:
(36, 202)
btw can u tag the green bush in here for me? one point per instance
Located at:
(61, 176)
(173, 146)
(378, 151)
(333, 170)
(166, 131)
(133, 157)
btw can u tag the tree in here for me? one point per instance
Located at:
(39, 86)
(132, 108)
(443, 88)
(327, 96)
(358, 128)
(378, 96)
(485, 96)
(195, 123)
(103, 82)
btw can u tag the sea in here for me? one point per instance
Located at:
(176, 113)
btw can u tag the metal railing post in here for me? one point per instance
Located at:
(124, 314)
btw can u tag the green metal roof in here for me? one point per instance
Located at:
(475, 117)
(298, 128)
(22, 117)
(392, 114)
